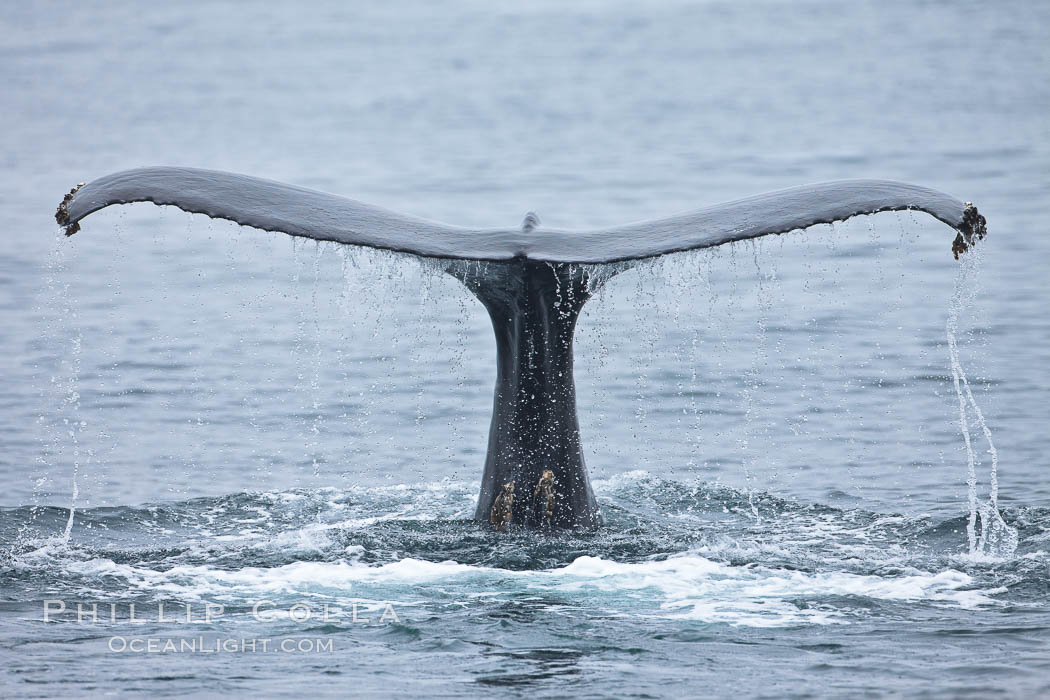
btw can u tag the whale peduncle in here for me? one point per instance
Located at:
(534, 306)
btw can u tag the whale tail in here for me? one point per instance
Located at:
(533, 281)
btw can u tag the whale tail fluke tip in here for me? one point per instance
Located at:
(974, 227)
(62, 213)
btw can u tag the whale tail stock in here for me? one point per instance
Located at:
(533, 281)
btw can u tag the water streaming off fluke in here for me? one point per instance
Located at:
(995, 538)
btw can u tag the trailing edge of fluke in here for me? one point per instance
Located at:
(297, 211)
(533, 288)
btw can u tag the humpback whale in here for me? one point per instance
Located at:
(532, 280)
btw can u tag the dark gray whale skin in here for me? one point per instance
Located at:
(534, 306)
(532, 281)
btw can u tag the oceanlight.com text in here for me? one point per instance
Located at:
(227, 645)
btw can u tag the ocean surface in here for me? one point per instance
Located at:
(252, 461)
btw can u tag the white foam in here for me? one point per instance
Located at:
(687, 586)
(710, 591)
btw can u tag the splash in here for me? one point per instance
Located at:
(995, 538)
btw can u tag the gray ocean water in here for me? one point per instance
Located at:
(771, 427)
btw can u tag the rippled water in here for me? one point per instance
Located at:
(772, 428)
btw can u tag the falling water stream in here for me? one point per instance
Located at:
(996, 538)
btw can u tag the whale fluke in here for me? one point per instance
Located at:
(298, 211)
(533, 287)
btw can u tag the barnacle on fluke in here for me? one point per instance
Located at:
(974, 228)
(503, 508)
(62, 213)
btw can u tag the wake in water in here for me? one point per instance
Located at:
(995, 538)
(672, 550)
